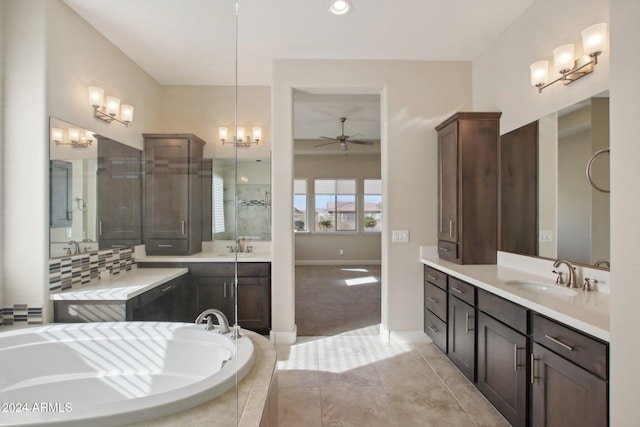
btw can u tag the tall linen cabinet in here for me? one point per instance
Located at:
(468, 187)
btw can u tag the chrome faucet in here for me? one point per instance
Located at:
(75, 246)
(223, 323)
(571, 282)
(602, 262)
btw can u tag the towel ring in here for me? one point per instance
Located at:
(588, 170)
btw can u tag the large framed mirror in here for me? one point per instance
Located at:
(548, 207)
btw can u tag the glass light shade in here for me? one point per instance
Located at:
(339, 7)
(564, 58)
(257, 133)
(113, 105)
(74, 134)
(594, 39)
(223, 133)
(126, 113)
(96, 96)
(539, 73)
(88, 136)
(57, 134)
(240, 135)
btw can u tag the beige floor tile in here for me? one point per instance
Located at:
(298, 364)
(408, 369)
(476, 405)
(299, 406)
(356, 407)
(426, 406)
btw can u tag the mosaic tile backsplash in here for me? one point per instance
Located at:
(71, 272)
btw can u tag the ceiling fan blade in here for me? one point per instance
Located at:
(326, 137)
(360, 141)
(326, 143)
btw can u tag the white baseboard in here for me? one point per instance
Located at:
(283, 337)
(340, 262)
(404, 337)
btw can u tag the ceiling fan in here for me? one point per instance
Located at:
(343, 139)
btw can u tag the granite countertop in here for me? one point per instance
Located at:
(208, 257)
(122, 286)
(586, 311)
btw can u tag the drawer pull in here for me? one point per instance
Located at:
(433, 329)
(560, 343)
(430, 277)
(167, 288)
(165, 246)
(456, 290)
(444, 249)
(433, 300)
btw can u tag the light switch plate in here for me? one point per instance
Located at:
(400, 236)
(546, 235)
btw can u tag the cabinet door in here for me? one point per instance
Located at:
(169, 302)
(502, 368)
(448, 188)
(214, 292)
(253, 303)
(563, 394)
(119, 194)
(166, 188)
(461, 327)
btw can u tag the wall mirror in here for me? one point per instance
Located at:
(548, 208)
(95, 195)
(248, 180)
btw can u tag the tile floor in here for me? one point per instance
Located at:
(355, 379)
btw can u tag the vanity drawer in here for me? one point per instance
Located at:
(435, 299)
(509, 313)
(462, 290)
(167, 246)
(436, 329)
(448, 250)
(436, 277)
(588, 352)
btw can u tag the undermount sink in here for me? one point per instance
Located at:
(541, 288)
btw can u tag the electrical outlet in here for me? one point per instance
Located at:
(341, 251)
(546, 235)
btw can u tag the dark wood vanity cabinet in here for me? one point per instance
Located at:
(461, 327)
(173, 190)
(435, 306)
(467, 190)
(169, 302)
(503, 349)
(569, 377)
(119, 178)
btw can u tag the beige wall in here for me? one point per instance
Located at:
(2, 48)
(415, 97)
(625, 211)
(318, 247)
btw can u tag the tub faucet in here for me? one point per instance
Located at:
(223, 323)
(571, 282)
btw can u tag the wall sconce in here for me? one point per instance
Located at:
(76, 139)
(594, 42)
(108, 112)
(240, 140)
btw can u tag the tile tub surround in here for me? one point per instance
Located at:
(356, 379)
(21, 314)
(587, 311)
(255, 393)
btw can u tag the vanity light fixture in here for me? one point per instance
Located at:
(240, 140)
(76, 137)
(594, 41)
(339, 7)
(108, 112)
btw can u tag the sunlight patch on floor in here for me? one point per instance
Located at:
(361, 281)
(358, 270)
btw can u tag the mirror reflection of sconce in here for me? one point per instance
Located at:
(75, 137)
(594, 41)
(240, 139)
(108, 112)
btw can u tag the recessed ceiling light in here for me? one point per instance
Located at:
(339, 7)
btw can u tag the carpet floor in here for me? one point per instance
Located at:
(334, 299)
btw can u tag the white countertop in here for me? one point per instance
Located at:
(122, 286)
(587, 311)
(208, 257)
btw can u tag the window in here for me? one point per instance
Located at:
(335, 205)
(372, 205)
(218, 204)
(300, 216)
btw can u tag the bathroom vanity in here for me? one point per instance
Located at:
(539, 354)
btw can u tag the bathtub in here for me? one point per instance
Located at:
(103, 374)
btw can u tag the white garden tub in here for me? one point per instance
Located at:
(103, 374)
